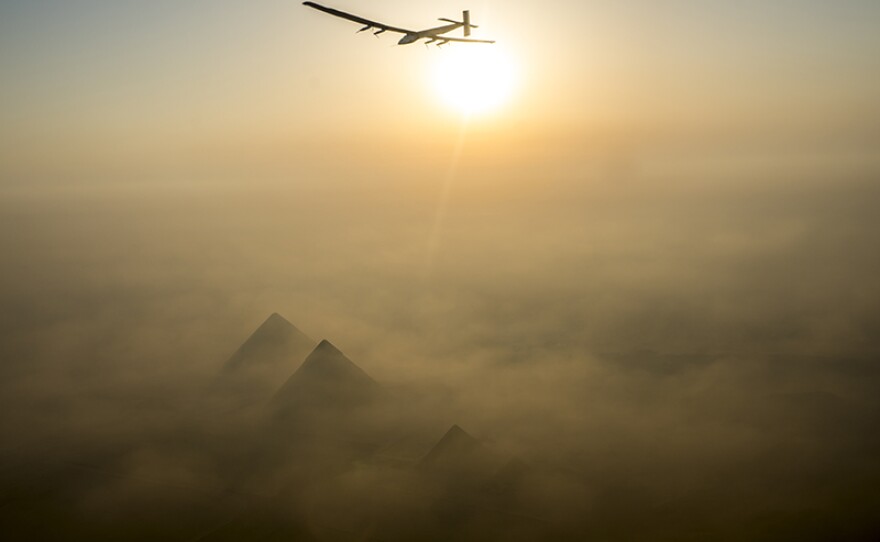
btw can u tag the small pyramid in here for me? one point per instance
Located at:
(456, 445)
(461, 460)
(327, 378)
(276, 342)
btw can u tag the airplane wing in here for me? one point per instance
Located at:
(463, 40)
(369, 24)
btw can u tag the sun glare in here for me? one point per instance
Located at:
(474, 79)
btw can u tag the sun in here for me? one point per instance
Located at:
(474, 79)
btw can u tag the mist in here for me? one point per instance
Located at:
(639, 346)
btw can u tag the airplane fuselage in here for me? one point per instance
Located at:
(432, 34)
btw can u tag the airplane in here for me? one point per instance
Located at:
(410, 36)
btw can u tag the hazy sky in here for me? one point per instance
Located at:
(725, 130)
(688, 139)
(96, 87)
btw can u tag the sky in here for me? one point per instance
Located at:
(105, 86)
(653, 261)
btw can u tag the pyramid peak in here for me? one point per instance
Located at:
(276, 318)
(275, 340)
(324, 352)
(455, 446)
(327, 373)
(457, 433)
(277, 324)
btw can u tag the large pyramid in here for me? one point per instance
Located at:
(266, 358)
(275, 344)
(327, 379)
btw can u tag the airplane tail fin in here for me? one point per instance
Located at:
(465, 22)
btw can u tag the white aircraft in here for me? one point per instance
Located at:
(410, 36)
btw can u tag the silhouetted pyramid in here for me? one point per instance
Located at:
(326, 379)
(275, 343)
(458, 451)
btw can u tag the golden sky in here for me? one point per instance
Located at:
(118, 88)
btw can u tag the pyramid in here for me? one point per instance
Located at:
(276, 344)
(460, 464)
(456, 447)
(327, 379)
